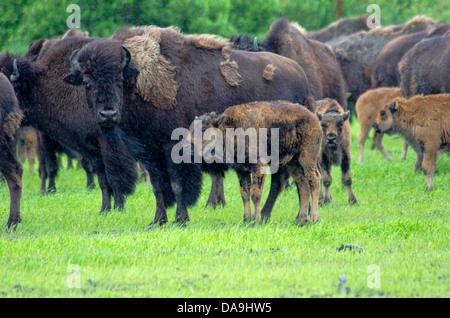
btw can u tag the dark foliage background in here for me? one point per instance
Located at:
(23, 21)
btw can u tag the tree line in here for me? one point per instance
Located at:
(26, 20)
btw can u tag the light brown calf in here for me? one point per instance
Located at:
(424, 121)
(367, 107)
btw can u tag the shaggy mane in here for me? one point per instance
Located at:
(156, 81)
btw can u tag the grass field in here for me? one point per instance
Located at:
(64, 248)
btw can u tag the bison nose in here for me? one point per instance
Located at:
(376, 128)
(108, 115)
(331, 137)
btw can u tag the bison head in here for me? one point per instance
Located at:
(332, 125)
(102, 67)
(200, 125)
(384, 123)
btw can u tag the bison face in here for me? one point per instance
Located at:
(102, 67)
(332, 125)
(384, 123)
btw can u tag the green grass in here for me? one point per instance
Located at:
(404, 232)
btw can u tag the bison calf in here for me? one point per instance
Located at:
(10, 120)
(336, 146)
(367, 107)
(298, 147)
(424, 121)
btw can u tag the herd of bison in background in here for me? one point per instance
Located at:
(113, 103)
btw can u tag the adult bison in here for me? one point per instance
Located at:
(357, 53)
(61, 112)
(150, 81)
(425, 68)
(385, 71)
(316, 59)
(337, 30)
(10, 120)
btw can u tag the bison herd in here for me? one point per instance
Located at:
(115, 102)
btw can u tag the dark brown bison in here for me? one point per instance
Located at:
(385, 71)
(425, 68)
(357, 53)
(316, 59)
(337, 138)
(10, 120)
(339, 29)
(61, 112)
(150, 81)
(298, 145)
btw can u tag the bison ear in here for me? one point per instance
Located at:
(394, 107)
(130, 73)
(74, 78)
(219, 121)
(346, 115)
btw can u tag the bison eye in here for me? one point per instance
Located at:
(86, 84)
(382, 113)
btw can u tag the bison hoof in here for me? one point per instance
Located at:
(12, 224)
(352, 201)
(155, 224)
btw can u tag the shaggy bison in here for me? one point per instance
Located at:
(337, 137)
(316, 59)
(424, 121)
(61, 112)
(10, 120)
(357, 53)
(149, 81)
(298, 146)
(339, 29)
(425, 68)
(385, 71)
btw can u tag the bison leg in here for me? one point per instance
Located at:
(419, 161)
(31, 154)
(326, 180)
(278, 180)
(52, 170)
(378, 143)
(13, 177)
(404, 150)
(296, 171)
(103, 184)
(256, 192)
(347, 177)
(245, 185)
(429, 165)
(362, 137)
(217, 194)
(88, 167)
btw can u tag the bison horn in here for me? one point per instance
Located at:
(255, 44)
(127, 58)
(74, 62)
(15, 74)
